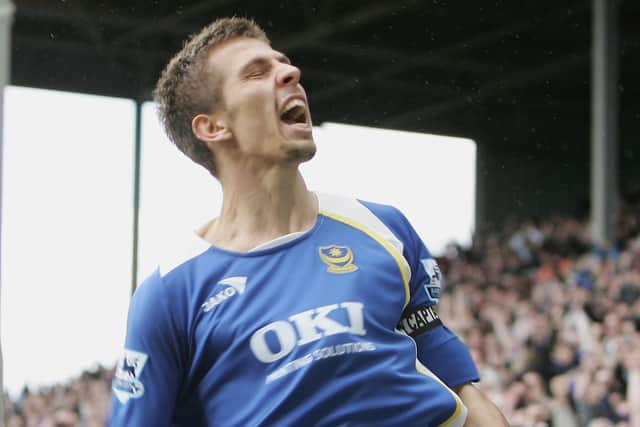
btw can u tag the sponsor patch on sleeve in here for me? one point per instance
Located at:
(433, 283)
(419, 321)
(126, 384)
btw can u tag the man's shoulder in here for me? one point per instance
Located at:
(172, 270)
(355, 206)
(375, 214)
(376, 219)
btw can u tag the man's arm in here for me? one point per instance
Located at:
(438, 348)
(448, 358)
(148, 374)
(481, 411)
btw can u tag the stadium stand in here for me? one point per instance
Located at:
(83, 402)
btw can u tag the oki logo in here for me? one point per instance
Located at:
(310, 326)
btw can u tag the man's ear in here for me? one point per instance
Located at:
(210, 128)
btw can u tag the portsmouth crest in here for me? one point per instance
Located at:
(432, 286)
(126, 384)
(339, 259)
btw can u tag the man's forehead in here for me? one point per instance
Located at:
(239, 51)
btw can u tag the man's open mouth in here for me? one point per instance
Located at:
(294, 112)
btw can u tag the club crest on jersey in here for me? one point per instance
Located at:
(339, 259)
(126, 384)
(434, 278)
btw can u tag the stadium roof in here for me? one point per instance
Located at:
(460, 67)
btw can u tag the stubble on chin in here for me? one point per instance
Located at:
(301, 154)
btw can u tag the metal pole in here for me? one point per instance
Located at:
(481, 187)
(6, 19)
(604, 105)
(136, 195)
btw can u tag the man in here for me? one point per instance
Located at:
(300, 309)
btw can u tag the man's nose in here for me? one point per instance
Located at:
(288, 75)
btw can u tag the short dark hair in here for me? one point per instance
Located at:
(188, 87)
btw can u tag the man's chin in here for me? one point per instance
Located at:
(301, 151)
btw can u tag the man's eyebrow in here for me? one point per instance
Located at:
(280, 57)
(251, 62)
(283, 58)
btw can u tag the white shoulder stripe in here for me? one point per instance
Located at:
(351, 208)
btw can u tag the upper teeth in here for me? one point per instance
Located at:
(293, 104)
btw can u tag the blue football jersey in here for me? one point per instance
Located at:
(335, 327)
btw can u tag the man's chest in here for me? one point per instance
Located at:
(338, 285)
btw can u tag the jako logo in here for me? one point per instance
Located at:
(236, 284)
(311, 325)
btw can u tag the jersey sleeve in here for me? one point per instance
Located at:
(148, 375)
(438, 348)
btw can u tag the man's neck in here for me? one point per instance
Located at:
(261, 207)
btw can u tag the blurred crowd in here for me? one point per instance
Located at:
(552, 321)
(82, 402)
